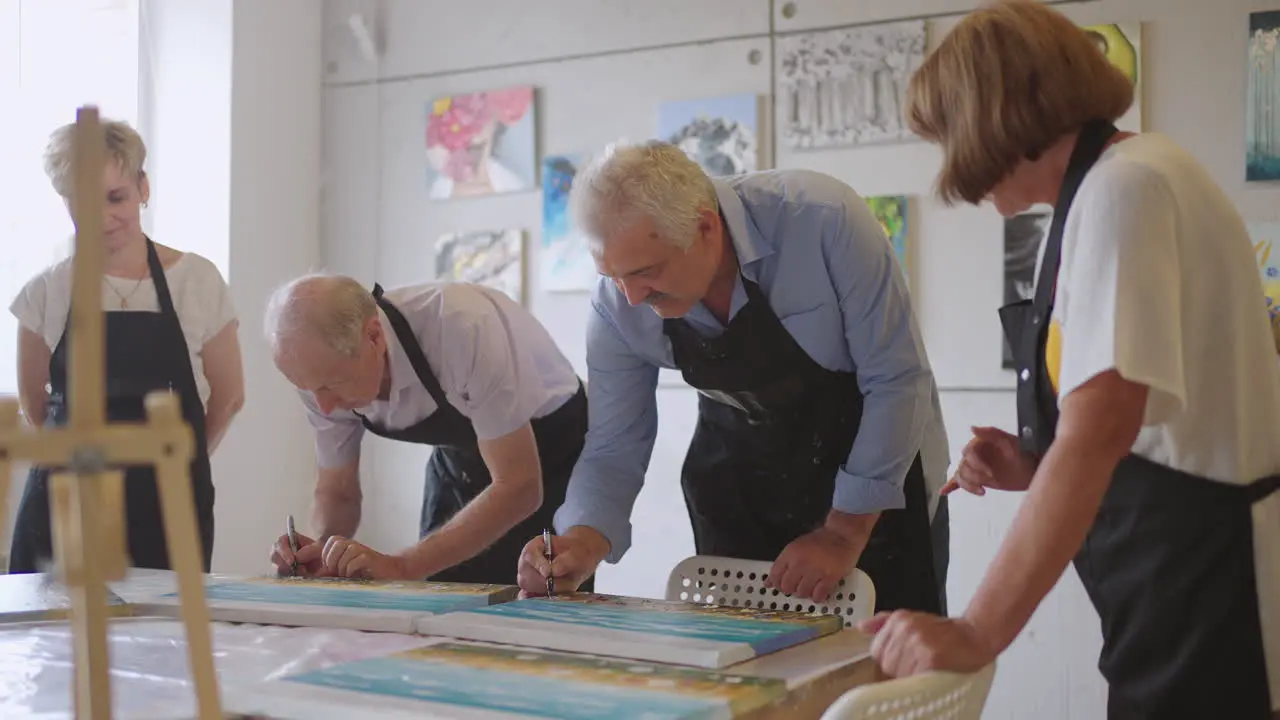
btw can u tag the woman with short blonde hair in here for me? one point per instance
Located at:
(1148, 397)
(170, 324)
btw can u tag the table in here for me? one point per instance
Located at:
(150, 677)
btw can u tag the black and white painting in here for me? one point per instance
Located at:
(1023, 236)
(721, 133)
(848, 86)
(493, 258)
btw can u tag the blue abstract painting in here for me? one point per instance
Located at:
(565, 260)
(762, 635)
(720, 133)
(359, 598)
(1262, 112)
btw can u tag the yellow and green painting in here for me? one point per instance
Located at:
(360, 594)
(891, 211)
(541, 683)
(1121, 43)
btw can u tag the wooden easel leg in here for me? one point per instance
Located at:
(79, 548)
(178, 506)
(9, 421)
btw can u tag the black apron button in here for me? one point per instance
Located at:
(1025, 375)
(1026, 432)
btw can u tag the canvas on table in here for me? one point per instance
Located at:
(481, 143)
(39, 597)
(1122, 44)
(371, 605)
(1023, 236)
(493, 258)
(637, 628)
(847, 86)
(564, 260)
(471, 680)
(721, 134)
(1262, 104)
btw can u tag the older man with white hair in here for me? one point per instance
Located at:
(819, 443)
(461, 367)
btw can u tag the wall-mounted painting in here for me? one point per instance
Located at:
(1023, 235)
(848, 86)
(1262, 103)
(1266, 243)
(1122, 44)
(481, 143)
(564, 262)
(721, 133)
(891, 211)
(493, 258)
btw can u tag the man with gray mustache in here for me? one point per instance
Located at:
(819, 444)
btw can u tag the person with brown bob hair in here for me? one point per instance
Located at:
(1148, 392)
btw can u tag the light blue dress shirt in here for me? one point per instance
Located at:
(831, 276)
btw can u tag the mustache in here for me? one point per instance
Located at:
(655, 297)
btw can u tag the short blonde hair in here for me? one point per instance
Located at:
(652, 179)
(1010, 80)
(123, 145)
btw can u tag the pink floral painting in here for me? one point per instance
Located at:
(481, 143)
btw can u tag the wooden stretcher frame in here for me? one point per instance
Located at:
(87, 500)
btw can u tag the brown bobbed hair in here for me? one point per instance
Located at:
(1007, 82)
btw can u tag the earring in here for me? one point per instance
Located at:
(144, 203)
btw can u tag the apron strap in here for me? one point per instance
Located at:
(412, 348)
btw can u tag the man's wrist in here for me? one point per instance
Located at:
(597, 544)
(854, 528)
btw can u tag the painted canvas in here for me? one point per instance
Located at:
(481, 143)
(891, 211)
(721, 134)
(1122, 44)
(458, 679)
(39, 597)
(564, 260)
(354, 604)
(1266, 244)
(1023, 236)
(638, 628)
(847, 86)
(1262, 99)
(493, 258)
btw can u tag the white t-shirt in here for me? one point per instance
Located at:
(200, 298)
(1159, 281)
(497, 365)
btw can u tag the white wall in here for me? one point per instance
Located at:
(234, 129)
(601, 69)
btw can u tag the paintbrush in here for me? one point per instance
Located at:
(546, 548)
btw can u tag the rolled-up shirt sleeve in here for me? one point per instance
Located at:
(623, 415)
(893, 370)
(338, 434)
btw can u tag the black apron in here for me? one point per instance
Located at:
(1168, 562)
(146, 351)
(773, 429)
(456, 473)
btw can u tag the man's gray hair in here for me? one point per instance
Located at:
(333, 309)
(629, 182)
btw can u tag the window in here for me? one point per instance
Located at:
(54, 57)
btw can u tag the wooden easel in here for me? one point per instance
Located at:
(87, 502)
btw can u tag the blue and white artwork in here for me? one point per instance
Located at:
(721, 133)
(565, 262)
(347, 598)
(1262, 112)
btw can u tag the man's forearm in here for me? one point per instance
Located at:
(483, 521)
(1048, 530)
(335, 514)
(853, 527)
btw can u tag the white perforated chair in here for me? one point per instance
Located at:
(928, 696)
(740, 583)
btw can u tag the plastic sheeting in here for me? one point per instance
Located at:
(150, 677)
